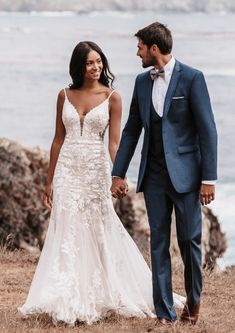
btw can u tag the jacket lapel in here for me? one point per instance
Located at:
(148, 98)
(172, 86)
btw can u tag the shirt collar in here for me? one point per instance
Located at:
(168, 68)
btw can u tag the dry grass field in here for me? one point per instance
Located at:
(17, 268)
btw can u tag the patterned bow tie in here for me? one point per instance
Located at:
(154, 73)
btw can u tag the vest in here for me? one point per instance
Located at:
(156, 158)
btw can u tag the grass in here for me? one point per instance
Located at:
(16, 271)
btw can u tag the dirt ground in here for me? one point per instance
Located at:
(16, 271)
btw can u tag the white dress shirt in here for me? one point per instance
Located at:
(160, 86)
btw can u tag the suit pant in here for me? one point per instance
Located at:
(160, 198)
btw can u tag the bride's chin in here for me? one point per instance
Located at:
(93, 77)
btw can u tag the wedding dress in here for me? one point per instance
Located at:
(89, 265)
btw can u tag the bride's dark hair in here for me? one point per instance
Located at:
(77, 65)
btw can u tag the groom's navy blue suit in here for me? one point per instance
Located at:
(179, 151)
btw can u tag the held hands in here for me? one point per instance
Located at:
(207, 194)
(119, 188)
(47, 198)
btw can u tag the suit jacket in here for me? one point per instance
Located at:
(188, 130)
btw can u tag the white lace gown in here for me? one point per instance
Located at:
(89, 265)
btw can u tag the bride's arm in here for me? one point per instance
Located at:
(114, 140)
(55, 149)
(115, 109)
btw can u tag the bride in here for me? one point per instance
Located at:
(89, 265)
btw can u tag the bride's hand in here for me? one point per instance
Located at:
(47, 198)
(119, 187)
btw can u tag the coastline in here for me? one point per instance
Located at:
(24, 219)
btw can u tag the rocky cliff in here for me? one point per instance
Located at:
(24, 220)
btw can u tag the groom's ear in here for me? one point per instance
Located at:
(154, 50)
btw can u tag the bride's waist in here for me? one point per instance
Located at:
(83, 148)
(82, 142)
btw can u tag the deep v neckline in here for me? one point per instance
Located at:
(95, 107)
(82, 117)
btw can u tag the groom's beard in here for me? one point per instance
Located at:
(148, 63)
(145, 65)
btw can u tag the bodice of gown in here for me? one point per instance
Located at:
(88, 128)
(82, 171)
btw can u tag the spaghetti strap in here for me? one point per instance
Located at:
(65, 94)
(110, 94)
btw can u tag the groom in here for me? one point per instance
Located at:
(178, 163)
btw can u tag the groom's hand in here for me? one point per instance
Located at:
(207, 194)
(119, 187)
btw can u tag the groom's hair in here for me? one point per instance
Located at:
(156, 33)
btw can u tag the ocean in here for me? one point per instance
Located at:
(35, 51)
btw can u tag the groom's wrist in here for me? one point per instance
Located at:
(209, 182)
(118, 177)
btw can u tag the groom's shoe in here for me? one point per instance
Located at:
(190, 313)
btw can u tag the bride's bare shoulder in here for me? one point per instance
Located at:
(114, 96)
(60, 99)
(61, 95)
(115, 102)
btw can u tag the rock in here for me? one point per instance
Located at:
(24, 220)
(214, 240)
